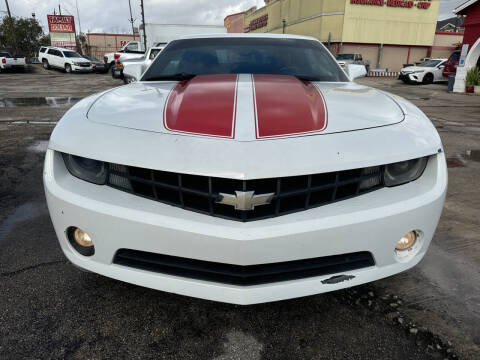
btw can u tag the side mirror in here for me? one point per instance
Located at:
(132, 72)
(441, 66)
(355, 71)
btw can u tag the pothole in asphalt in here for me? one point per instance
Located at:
(241, 346)
(50, 101)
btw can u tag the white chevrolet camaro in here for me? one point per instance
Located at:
(245, 169)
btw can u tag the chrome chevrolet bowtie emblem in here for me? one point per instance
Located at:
(244, 200)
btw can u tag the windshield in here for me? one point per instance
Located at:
(71, 54)
(430, 63)
(345, 56)
(306, 59)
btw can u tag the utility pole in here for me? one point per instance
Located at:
(78, 16)
(131, 17)
(143, 23)
(59, 10)
(8, 9)
(11, 27)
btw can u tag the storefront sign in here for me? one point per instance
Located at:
(65, 44)
(394, 3)
(463, 55)
(257, 23)
(61, 23)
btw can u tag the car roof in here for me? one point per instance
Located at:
(57, 48)
(251, 35)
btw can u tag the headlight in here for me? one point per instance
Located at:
(76, 63)
(404, 171)
(93, 171)
(418, 71)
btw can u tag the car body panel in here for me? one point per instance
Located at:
(7, 61)
(119, 107)
(56, 58)
(417, 73)
(174, 126)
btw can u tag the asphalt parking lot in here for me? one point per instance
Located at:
(51, 310)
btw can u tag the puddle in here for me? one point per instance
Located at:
(473, 155)
(39, 146)
(50, 101)
(461, 160)
(455, 162)
(22, 213)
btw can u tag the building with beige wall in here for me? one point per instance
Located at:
(101, 43)
(388, 33)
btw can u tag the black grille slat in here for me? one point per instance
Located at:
(200, 193)
(243, 275)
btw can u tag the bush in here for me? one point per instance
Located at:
(473, 76)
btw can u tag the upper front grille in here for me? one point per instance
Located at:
(200, 193)
(84, 64)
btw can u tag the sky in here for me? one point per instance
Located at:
(112, 16)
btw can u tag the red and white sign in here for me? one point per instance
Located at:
(61, 23)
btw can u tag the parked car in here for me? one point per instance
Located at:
(245, 168)
(140, 65)
(97, 65)
(7, 61)
(451, 64)
(64, 59)
(131, 50)
(422, 60)
(354, 58)
(427, 72)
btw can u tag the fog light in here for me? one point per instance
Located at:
(407, 241)
(80, 241)
(82, 238)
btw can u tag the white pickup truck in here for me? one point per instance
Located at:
(131, 50)
(7, 61)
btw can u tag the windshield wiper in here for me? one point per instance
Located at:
(177, 77)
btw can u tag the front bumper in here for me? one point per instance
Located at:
(77, 68)
(413, 77)
(372, 222)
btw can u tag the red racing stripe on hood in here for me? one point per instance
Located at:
(287, 106)
(204, 105)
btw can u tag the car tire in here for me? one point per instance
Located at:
(428, 79)
(68, 68)
(46, 65)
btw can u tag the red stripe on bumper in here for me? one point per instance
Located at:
(287, 106)
(204, 105)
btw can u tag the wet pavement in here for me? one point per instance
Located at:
(50, 309)
(52, 101)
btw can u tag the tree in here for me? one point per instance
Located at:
(27, 34)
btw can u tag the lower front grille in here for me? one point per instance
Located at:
(243, 275)
(201, 193)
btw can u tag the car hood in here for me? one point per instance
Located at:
(413, 68)
(80, 60)
(245, 107)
